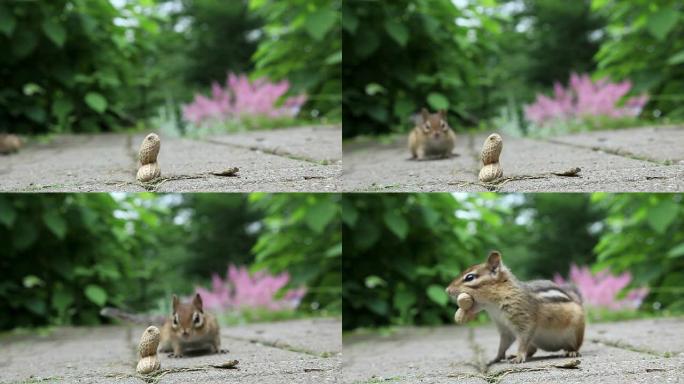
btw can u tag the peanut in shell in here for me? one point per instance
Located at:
(491, 149)
(148, 172)
(490, 172)
(149, 341)
(149, 149)
(148, 364)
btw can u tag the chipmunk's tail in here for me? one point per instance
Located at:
(116, 313)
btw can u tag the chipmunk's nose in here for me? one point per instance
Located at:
(185, 333)
(451, 291)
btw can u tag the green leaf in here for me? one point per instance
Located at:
(438, 295)
(404, 300)
(96, 101)
(661, 23)
(7, 213)
(373, 89)
(320, 22)
(334, 58)
(35, 113)
(437, 101)
(397, 224)
(677, 58)
(7, 21)
(677, 251)
(373, 281)
(61, 300)
(661, 216)
(319, 215)
(31, 281)
(36, 306)
(55, 223)
(55, 32)
(403, 108)
(378, 306)
(349, 20)
(24, 43)
(61, 108)
(397, 31)
(96, 294)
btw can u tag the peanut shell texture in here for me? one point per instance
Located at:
(491, 149)
(149, 149)
(148, 172)
(490, 172)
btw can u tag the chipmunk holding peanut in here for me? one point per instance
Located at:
(188, 329)
(432, 137)
(540, 314)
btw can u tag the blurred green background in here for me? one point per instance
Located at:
(65, 256)
(101, 65)
(484, 59)
(402, 250)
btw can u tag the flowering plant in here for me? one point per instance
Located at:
(600, 290)
(241, 290)
(242, 98)
(585, 98)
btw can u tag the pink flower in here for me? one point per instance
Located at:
(584, 98)
(242, 98)
(601, 290)
(242, 290)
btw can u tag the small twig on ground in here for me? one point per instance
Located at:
(498, 183)
(153, 185)
(496, 377)
(154, 377)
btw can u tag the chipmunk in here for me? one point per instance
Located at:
(432, 137)
(188, 329)
(540, 314)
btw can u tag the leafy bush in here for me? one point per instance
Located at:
(301, 235)
(68, 66)
(402, 250)
(66, 256)
(645, 235)
(302, 44)
(645, 43)
(407, 54)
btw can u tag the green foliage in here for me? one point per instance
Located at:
(301, 235)
(407, 54)
(401, 250)
(65, 256)
(218, 39)
(68, 66)
(302, 44)
(645, 235)
(646, 45)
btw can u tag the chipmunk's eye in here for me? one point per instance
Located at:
(469, 277)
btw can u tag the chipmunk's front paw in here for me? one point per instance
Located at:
(572, 354)
(517, 359)
(175, 355)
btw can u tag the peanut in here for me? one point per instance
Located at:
(491, 150)
(149, 342)
(149, 150)
(465, 302)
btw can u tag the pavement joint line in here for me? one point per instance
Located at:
(615, 152)
(284, 346)
(273, 151)
(629, 347)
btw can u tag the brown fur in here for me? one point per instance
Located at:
(185, 334)
(520, 312)
(433, 137)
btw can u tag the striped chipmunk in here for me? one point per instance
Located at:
(539, 314)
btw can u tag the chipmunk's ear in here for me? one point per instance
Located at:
(425, 114)
(175, 303)
(442, 114)
(494, 261)
(197, 301)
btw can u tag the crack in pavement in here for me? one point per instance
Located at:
(283, 346)
(273, 151)
(612, 151)
(629, 347)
